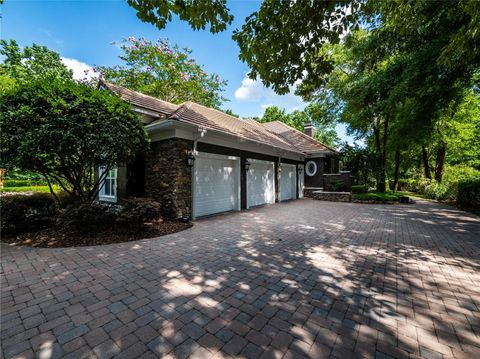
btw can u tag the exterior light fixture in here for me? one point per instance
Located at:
(246, 165)
(190, 160)
(300, 170)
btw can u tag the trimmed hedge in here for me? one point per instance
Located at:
(361, 188)
(20, 213)
(468, 195)
(22, 183)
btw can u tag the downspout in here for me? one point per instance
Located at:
(196, 138)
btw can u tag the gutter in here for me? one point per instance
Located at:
(175, 123)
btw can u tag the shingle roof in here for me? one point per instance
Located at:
(141, 100)
(301, 141)
(275, 134)
(193, 113)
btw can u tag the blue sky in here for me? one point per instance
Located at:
(82, 32)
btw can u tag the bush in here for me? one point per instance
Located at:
(361, 188)
(468, 195)
(98, 216)
(137, 211)
(89, 216)
(20, 213)
(22, 183)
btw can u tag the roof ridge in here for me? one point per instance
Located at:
(304, 135)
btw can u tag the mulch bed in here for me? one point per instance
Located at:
(55, 237)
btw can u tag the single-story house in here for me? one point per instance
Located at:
(203, 161)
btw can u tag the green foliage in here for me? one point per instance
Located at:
(379, 196)
(65, 131)
(469, 193)
(99, 216)
(27, 212)
(43, 189)
(360, 161)
(29, 63)
(324, 126)
(137, 211)
(23, 183)
(19, 174)
(197, 13)
(164, 71)
(361, 188)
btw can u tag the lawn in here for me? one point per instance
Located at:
(29, 189)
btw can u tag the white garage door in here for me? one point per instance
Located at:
(216, 184)
(260, 183)
(288, 182)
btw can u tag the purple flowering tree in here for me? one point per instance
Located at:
(164, 71)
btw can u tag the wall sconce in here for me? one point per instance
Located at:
(190, 159)
(300, 170)
(246, 165)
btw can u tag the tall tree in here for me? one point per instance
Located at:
(314, 113)
(30, 63)
(164, 71)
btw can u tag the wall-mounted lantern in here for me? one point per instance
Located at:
(246, 165)
(190, 159)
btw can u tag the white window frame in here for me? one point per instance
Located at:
(102, 195)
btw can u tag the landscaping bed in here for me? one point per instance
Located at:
(59, 237)
(39, 220)
(379, 197)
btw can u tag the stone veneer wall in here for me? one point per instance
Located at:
(168, 179)
(331, 196)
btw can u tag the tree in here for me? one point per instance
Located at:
(30, 63)
(315, 113)
(66, 131)
(164, 71)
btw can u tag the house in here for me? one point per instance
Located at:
(203, 161)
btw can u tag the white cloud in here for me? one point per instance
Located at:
(256, 92)
(80, 69)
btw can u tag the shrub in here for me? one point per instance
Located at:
(136, 211)
(435, 190)
(469, 193)
(22, 183)
(361, 188)
(88, 216)
(21, 213)
(99, 216)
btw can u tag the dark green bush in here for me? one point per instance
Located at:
(137, 211)
(360, 188)
(89, 216)
(22, 183)
(469, 193)
(99, 216)
(20, 213)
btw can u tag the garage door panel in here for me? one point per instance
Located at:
(288, 182)
(260, 184)
(216, 185)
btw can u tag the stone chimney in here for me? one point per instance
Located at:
(308, 129)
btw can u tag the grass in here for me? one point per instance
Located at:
(380, 196)
(29, 189)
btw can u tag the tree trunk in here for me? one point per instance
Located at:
(382, 183)
(440, 162)
(397, 168)
(426, 162)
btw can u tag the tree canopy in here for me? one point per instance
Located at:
(65, 131)
(30, 63)
(164, 71)
(315, 113)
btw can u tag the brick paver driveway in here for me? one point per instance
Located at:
(304, 278)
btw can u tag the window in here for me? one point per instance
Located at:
(108, 189)
(311, 168)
